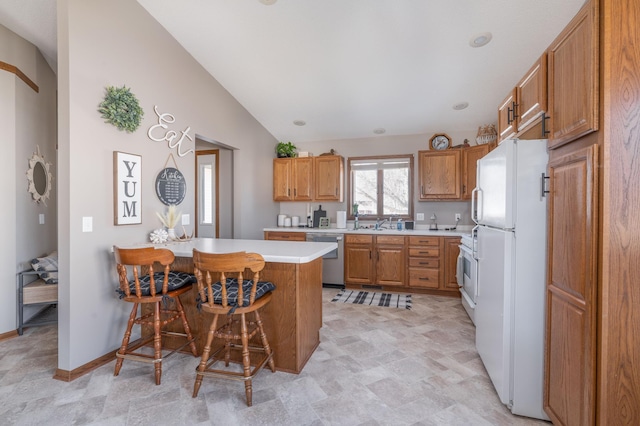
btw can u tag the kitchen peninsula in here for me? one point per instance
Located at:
(293, 318)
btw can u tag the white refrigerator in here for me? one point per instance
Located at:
(510, 209)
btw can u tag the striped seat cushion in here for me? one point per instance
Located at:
(176, 281)
(262, 288)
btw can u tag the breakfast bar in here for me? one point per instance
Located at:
(293, 318)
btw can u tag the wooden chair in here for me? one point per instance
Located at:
(218, 276)
(157, 288)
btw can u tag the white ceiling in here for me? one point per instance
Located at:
(347, 67)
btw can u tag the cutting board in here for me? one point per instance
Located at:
(317, 214)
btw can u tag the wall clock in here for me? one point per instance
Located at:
(440, 141)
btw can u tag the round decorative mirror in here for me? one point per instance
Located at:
(39, 177)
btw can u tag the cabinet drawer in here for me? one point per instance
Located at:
(424, 252)
(424, 241)
(358, 239)
(390, 239)
(422, 277)
(422, 262)
(285, 236)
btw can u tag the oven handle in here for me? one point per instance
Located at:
(460, 268)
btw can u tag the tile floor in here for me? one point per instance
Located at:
(374, 366)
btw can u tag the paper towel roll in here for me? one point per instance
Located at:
(341, 220)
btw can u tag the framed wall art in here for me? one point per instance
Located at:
(127, 177)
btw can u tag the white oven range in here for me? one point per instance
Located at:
(467, 274)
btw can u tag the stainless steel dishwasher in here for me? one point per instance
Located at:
(332, 262)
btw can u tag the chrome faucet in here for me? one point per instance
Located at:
(379, 223)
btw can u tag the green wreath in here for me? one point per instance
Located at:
(120, 108)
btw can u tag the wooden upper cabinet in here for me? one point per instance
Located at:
(440, 175)
(303, 179)
(329, 178)
(506, 122)
(470, 157)
(531, 96)
(522, 109)
(293, 179)
(573, 78)
(282, 183)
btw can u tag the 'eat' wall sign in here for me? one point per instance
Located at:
(127, 176)
(159, 133)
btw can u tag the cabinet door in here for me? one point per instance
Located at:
(358, 264)
(451, 251)
(439, 174)
(303, 179)
(470, 157)
(390, 265)
(506, 121)
(570, 357)
(282, 184)
(531, 93)
(329, 178)
(573, 78)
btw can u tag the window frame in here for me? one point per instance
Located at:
(408, 216)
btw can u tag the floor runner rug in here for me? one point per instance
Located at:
(390, 300)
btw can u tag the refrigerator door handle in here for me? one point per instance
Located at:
(474, 215)
(479, 205)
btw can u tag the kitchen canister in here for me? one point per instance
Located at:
(341, 219)
(281, 218)
(287, 222)
(295, 221)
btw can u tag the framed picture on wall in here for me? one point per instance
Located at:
(127, 178)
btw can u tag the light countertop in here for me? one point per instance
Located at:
(272, 251)
(417, 232)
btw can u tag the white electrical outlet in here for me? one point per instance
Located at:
(458, 216)
(186, 219)
(41, 219)
(419, 216)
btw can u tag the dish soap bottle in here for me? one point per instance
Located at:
(399, 224)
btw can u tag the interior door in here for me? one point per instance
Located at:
(207, 221)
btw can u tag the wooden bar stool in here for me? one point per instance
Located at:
(218, 276)
(158, 288)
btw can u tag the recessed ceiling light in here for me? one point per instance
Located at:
(379, 131)
(268, 2)
(461, 105)
(480, 40)
(299, 122)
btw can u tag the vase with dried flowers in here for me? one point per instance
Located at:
(170, 220)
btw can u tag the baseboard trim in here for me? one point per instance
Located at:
(9, 335)
(68, 376)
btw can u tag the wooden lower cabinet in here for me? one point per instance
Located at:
(422, 264)
(451, 252)
(374, 260)
(358, 259)
(285, 236)
(390, 258)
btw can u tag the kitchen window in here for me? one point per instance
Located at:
(382, 186)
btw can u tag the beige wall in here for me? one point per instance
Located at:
(28, 120)
(388, 145)
(143, 56)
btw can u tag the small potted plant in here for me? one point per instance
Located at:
(286, 149)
